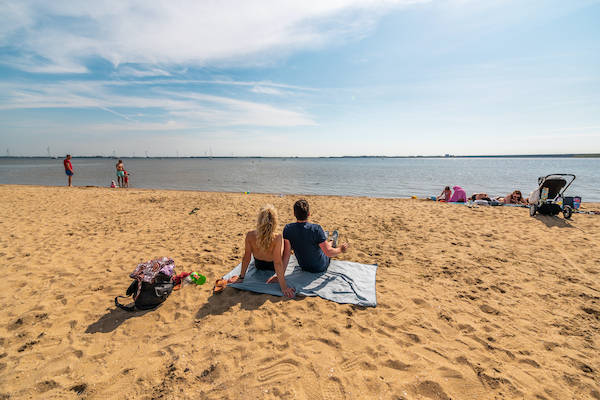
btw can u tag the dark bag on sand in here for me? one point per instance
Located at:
(150, 295)
(152, 285)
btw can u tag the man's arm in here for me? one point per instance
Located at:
(331, 251)
(280, 269)
(287, 252)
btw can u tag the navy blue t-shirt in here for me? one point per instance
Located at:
(305, 239)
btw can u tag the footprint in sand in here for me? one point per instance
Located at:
(332, 389)
(450, 373)
(488, 309)
(355, 362)
(531, 362)
(431, 390)
(45, 386)
(397, 365)
(420, 302)
(466, 328)
(413, 338)
(329, 342)
(279, 371)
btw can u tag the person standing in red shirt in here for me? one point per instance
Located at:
(68, 168)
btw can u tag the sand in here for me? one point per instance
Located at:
(483, 303)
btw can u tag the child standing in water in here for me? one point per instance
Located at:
(68, 168)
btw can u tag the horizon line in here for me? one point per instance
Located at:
(542, 155)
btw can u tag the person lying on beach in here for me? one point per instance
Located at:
(267, 248)
(459, 195)
(445, 195)
(515, 198)
(481, 196)
(308, 241)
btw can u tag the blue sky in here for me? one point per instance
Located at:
(303, 78)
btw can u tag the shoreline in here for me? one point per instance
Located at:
(584, 204)
(473, 303)
(566, 155)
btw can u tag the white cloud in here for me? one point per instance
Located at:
(142, 72)
(63, 33)
(266, 90)
(139, 126)
(186, 109)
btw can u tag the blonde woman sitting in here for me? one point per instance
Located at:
(267, 248)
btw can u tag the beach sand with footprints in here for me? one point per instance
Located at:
(482, 303)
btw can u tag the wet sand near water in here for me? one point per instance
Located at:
(483, 303)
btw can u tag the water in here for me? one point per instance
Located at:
(374, 177)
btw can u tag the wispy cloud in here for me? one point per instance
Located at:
(233, 112)
(215, 82)
(142, 72)
(58, 36)
(188, 108)
(266, 90)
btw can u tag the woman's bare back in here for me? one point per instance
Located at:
(262, 254)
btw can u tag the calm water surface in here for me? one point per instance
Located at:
(374, 177)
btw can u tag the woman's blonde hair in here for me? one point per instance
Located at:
(266, 225)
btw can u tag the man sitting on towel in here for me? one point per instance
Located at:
(308, 241)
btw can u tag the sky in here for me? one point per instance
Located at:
(299, 78)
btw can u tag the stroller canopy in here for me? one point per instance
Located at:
(555, 183)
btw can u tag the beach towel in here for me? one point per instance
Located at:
(344, 282)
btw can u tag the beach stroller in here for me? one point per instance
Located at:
(548, 198)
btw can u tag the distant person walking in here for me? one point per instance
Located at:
(120, 174)
(68, 169)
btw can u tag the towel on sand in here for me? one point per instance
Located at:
(343, 282)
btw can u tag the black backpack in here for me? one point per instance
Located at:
(149, 296)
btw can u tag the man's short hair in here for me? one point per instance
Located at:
(301, 210)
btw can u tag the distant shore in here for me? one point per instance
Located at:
(590, 155)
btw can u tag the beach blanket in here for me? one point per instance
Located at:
(344, 282)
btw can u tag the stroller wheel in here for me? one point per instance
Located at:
(567, 212)
(532, 210)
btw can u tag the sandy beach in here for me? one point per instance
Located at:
(482, 303)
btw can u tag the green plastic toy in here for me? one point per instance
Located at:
(197, 278)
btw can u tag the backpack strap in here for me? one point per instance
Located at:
(123, 307)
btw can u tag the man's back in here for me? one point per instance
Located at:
(305, 238)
